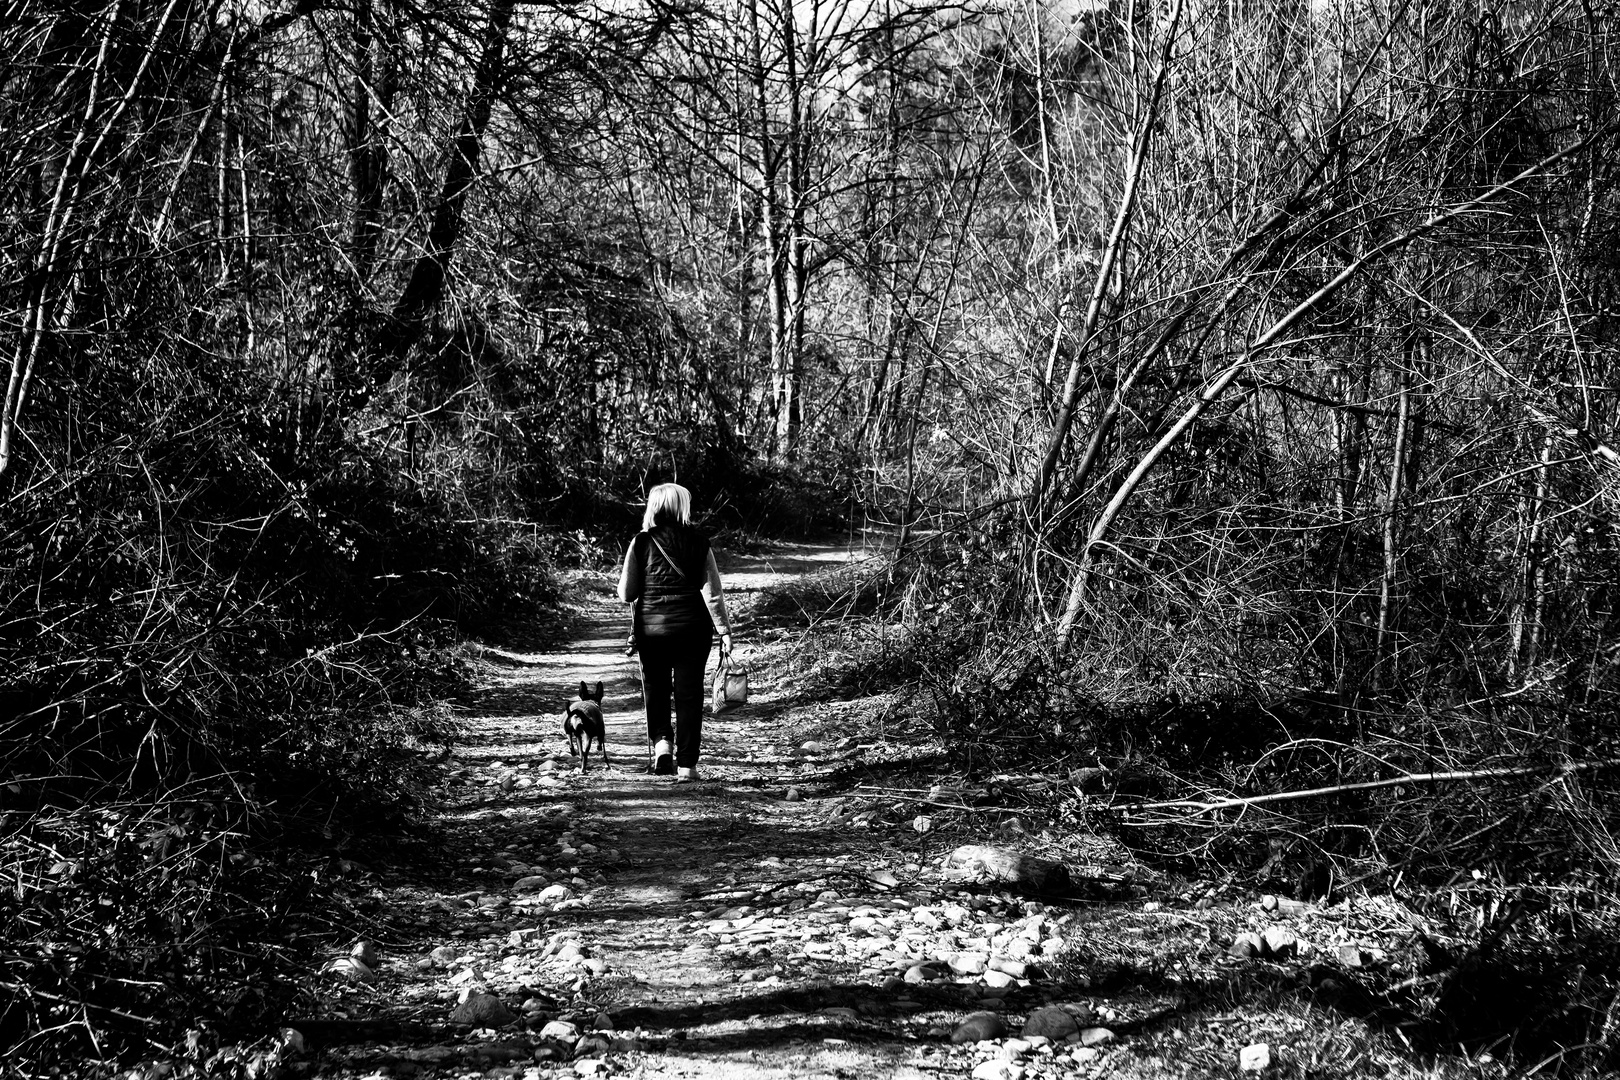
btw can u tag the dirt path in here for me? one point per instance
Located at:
(635, 926)
(777, 920)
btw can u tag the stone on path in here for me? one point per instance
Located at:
(1280, 944)
(969, 963)
(561, 1030)
(998, 1069)
(1255, 1058)
(348, 969)
(979, 1026)
(1247, 946)
(592, 1044)
(1002, 866)
(366, 953)
(1054, 1022)
(480, 1008)
(1096, 1036)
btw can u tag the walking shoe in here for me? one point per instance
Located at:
(685, 776)
(663, 759)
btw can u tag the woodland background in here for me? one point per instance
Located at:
(1238, 382)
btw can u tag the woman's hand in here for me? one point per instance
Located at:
(725, 646)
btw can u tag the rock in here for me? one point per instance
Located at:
(1350, 955)
(922, 823)
(998, 1069)
(366, 953)
(1017, 969)
(921, 973)
(555, 893)
(444, 954)
(969, 963)
(519, 939)
(1003, 866)
(1268, 902)
(591, 1067)
(1096, 1036)
(998, 979)
(1019, 948)
(561, 1030)
(811, 747)
(1255, 1058)
(593, 1044)
(498, 1053)
(480, 1008)
(292, 1043)
(1054, 1022)
(1013, 1049)
(530, 883)
(1247, 946)
(979, 1026)
(793, 795)
(1280, 943)
(348, 969)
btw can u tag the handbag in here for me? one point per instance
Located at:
(730, 686)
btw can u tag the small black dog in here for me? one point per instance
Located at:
(582, 723)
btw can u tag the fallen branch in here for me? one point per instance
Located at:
(1198, 807)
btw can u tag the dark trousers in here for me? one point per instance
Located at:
(672, 668)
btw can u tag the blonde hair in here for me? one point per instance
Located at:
(667, 503)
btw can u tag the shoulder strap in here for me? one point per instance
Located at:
(672, 563)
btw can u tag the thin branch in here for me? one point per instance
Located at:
(1198, 807)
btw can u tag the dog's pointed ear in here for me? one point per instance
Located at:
(584, 692)
(599, 691)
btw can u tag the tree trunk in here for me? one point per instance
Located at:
(367, 157)
(425, 287)
(1386, 661)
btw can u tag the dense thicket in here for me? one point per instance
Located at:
(1246, 370)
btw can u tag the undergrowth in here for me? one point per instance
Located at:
(221, 671)
(1159, 707)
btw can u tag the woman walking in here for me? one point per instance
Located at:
(670, 569)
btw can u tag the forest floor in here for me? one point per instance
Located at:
(791, 914)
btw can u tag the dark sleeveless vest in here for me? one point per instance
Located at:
(670, 606)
